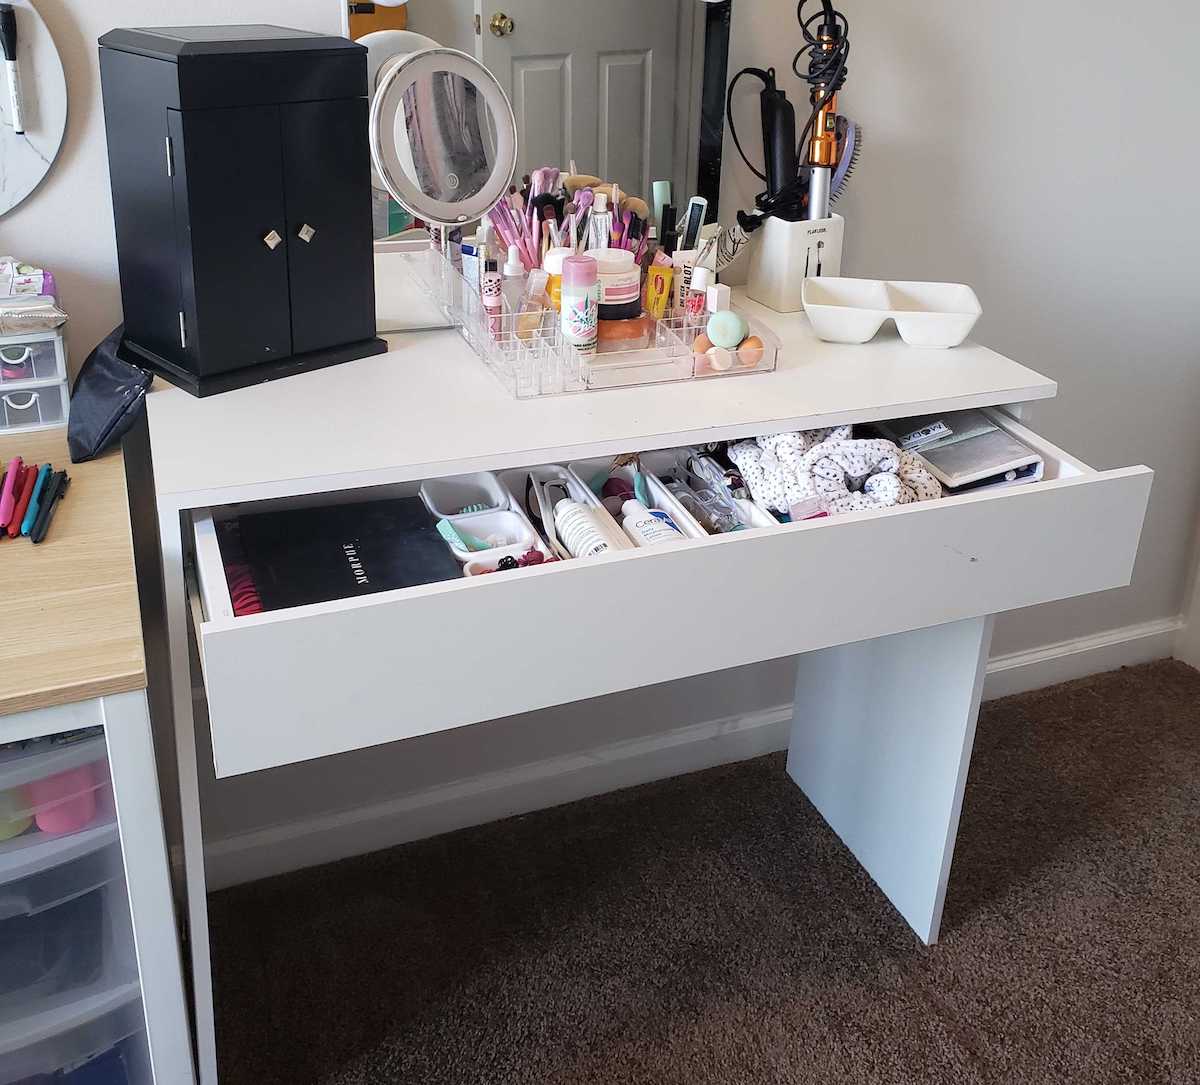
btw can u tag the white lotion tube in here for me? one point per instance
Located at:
(648, 527)
(579, 530)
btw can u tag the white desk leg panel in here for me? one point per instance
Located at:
(881, 743)
(139, 816)
(175, 600)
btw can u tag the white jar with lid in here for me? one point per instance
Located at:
(620, 283)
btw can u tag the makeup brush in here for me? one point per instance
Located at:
(583, 202)
(550, 218)
(549, 228)
(568, 234)
(620, 229)
(637, 205)
(539, 186)
(510, 226)
(573, 182)
(635, 232)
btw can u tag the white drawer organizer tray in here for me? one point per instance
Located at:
(543, 364)
(711, 602)
(63, 897)
(926, 314)
(33, 381)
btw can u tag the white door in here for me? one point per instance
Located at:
(596, 83)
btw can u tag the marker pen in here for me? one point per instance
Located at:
(8, 42)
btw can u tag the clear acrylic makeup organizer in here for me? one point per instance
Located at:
(542, 364)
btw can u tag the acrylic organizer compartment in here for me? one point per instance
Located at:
(482, 511)
(517, 483)
(594, 473)
(749, 356)
(706, 496)
(536, 361)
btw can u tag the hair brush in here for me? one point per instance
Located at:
(850, 141)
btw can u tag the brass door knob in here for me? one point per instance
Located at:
(502, 24)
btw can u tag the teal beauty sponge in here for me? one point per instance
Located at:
(727, 329)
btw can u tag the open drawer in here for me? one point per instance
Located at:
(289, 685)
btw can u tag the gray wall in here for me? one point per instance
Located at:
(1016, 147)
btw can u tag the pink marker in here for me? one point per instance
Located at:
(8, 497)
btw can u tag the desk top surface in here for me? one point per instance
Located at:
(429, 407)
(70, 628)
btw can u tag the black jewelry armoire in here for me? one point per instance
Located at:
(241, 180)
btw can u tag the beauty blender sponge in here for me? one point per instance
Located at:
(750, 353)
(727, 329)
(719, 359)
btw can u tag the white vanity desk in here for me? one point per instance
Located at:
(889, 612)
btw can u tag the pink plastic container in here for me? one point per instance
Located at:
(65, 802)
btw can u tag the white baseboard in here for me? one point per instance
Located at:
(550, 782)
(475, 800)
(1036, 668)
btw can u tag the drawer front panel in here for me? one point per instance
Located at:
(293, 685)
(27, 409)
(31, 360)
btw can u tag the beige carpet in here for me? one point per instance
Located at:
(711, 929)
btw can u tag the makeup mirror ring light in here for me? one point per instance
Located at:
(386, 105)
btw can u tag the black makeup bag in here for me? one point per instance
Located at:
(108, 396)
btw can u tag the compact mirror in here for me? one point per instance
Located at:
(443, 135)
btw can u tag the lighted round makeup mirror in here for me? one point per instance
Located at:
(443, 135)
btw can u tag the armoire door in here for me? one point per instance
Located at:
(327, 162)
(229, 215)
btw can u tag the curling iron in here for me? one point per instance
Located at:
(828, 50)
(799, 182)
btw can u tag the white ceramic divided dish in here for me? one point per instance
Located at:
(933, 314)
(926, 314)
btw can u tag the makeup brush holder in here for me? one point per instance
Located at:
(784, 254)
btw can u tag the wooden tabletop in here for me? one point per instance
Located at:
(69, 622)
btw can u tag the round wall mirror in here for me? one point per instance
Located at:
(26, 156)
(443, 136)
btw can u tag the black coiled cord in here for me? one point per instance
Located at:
(825, 67)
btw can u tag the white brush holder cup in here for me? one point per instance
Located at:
(784, 254)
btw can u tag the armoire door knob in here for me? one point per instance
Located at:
(273, 240)
(306, 233)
